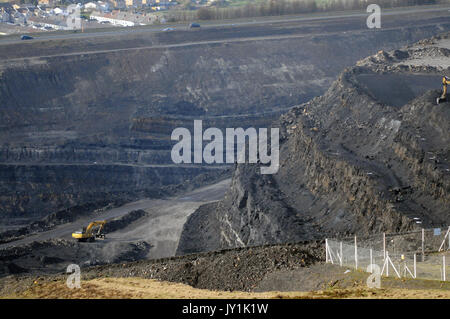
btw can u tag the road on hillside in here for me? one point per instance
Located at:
(232, 23)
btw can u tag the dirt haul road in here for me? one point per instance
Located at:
(160, 226)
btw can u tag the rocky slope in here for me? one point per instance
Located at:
(372, 154)
(234, 269)
(108, 105)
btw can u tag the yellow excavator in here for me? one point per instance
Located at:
(443, 97)
(92, 232)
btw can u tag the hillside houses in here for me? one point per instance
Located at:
(9, 14)
(51, 15)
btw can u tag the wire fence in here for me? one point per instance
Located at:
(418, 254)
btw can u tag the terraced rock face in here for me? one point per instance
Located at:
(99, 112)
(372, 154)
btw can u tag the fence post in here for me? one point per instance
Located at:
(342, 256)
(356, 255)
(423, 245)
(387, 264)
(443, 268)
(415, 266)
(384, 245)
(326, 250)
(371, 261)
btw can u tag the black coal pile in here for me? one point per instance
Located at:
(235, 269)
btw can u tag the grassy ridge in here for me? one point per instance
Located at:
(148, 288)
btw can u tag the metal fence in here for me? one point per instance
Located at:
(418, 254)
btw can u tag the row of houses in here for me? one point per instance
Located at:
(107, 11)
(115, 12)
(51, 7)
(12, 13)
(123, 4)
(21, 14)
(29, 15)
(12, 17)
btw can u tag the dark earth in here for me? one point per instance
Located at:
(363, 147)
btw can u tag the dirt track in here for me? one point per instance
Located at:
(171, 211)
(154, 234)
(165, 219)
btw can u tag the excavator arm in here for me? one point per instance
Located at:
(100, 225)
(443, 97)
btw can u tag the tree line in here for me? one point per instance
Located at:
(286, 7)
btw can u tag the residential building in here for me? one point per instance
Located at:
(90, 6)
(4, 16)
(103, 6)
(18, 18)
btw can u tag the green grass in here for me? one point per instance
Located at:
(239, 3)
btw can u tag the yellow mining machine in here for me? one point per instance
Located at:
(92, 232)
(443, 97)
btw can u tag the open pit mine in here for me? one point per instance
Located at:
(85, 135)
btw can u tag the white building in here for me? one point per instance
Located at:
(103, 6)
(90, 6)
(57, 11)
(113, 21)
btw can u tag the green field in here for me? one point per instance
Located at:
(238, 3)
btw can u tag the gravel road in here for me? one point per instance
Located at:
(161, 227)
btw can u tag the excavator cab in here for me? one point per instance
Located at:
(443, 97)
(90, 233)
